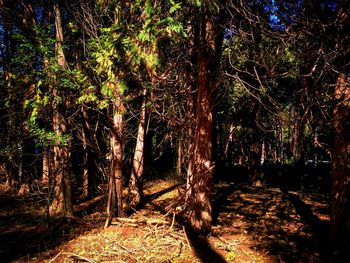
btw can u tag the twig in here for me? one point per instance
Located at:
(88, 203)
(81, 258)
(54, 258)
(188, 242)
(108, 222)
(173, 221)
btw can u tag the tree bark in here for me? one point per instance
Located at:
(115, 184)
(85, 165)
(340, 199)
(200, 164)
(179, 158)
(190, 124)
(135, 183)
(200, 183)
(46, 165)
(298, 135)
(62, 196)
(88, 162)
(12, 174)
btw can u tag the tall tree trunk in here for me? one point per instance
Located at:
(340, 200)
(190, 76)
(46, 156)
(228, 143)
(87, 162)
(115, 183)
(298, 135)
(179, 157)
(135, 183)
(200, 169)
(340, 197)
(190, 146)
(62, 197)
(85, 165)
(263, 150)
(200, 183)
(90, 156)
(11, 175)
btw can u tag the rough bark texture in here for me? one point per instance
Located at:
(57, 205)
(190, 76)
(135, 183)
(200, 164)
(115, 185)
(46, 166)
(340, 201)
(340, 197)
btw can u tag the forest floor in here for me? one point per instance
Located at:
(262, 224)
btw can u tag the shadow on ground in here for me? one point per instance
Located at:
(200, 245)
(288, 226)
(25, 230)
(285, 225)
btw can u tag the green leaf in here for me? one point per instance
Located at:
(122, 87)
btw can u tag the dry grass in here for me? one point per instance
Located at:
(252, 226)
(147, 236)
(148, 243)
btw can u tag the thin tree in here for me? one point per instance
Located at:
(62, 196)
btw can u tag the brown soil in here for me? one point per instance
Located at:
(250, 225)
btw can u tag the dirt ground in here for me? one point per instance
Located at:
(260, 224)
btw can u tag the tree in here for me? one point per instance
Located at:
(340, 198)
(207, 40)
(135, 185)
(62, 196)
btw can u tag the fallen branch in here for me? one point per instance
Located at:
(88, 203)
(136, 222)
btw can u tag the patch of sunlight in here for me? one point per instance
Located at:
(156, 186)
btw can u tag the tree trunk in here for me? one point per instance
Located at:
(12, 174)
(115, 183)
(229, 143)
(200, 180)
(200, 164)
(190, 76)
(91, 157)
(190, 147)
(85, 166)
(46, 166)
(135, 183)
(179, 158)
(340, 201)
(57, 205)
(263, 150)
(62, 197)
(297, 136)
(87, 163)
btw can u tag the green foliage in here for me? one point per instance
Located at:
(122, 87)
(197, 3)
(128, 47)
